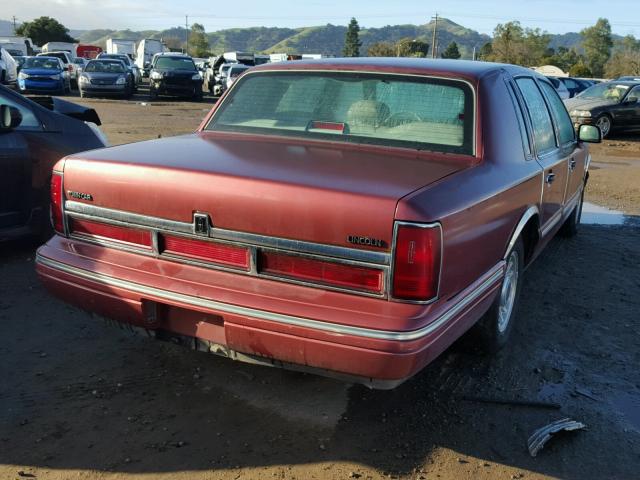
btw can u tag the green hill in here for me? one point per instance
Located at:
(326, 39)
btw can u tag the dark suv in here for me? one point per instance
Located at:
(174, 75)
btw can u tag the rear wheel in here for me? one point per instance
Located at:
(570, 226)
(492, 332)
(604, 123)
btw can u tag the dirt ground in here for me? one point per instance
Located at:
(80, 398)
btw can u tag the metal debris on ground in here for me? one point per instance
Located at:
(512, 401)
(541, 436)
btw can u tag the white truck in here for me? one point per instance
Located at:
(147, 48)
(60, 47)
(24, 44)
(121, 46)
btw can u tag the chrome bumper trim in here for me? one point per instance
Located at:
(490, 278)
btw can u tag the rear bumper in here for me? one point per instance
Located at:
(375, 357)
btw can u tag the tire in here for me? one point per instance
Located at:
(570, 226)
(605, 123)
(492, 331)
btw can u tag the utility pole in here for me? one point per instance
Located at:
(14, 25)
(186, 34)
(434, 39)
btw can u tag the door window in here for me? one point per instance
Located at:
(633, 94)
(560, 114)
(29, 120)
(544, 136)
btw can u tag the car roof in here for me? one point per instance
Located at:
(110, 60)
(468, 69)
(630, 83)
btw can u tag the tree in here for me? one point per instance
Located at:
(451, 51)
(198, 41)
(352, 41)
(625, 59)
(507, 43)
(407, 47)
(580, 69)
(521, 46)
(174, 44)
(382, 49)
(44, 30)
(486, 51)
(597, 43)
(535, 46)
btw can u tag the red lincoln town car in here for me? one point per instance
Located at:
(348, 217)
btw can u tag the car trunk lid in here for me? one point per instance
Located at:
(321, 192)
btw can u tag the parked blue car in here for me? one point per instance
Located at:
(43, 75)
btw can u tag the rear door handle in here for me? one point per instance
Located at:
(550, 178)
(572, 164)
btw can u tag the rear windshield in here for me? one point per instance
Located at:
(175, 63)
(104, 67)
(395, 110)
(61, 56)
(42, 62)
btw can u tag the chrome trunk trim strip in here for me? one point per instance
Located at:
(490, 278)
(119, 217)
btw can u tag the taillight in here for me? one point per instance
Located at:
(317, 271)
(416, 265)
(208, 251)
(111, 232)
(57, 221)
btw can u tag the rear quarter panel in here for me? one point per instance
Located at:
(479, 208)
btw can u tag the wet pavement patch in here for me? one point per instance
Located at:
(597, 215)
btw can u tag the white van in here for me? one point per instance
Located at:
(147, 48)
(8, 68)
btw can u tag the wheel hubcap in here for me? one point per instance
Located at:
(604, 124)
(508, 292)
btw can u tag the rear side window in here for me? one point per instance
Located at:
(560, 114)
(543, 133)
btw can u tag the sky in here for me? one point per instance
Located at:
(557, 16)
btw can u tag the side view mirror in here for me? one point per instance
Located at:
(10, 118)
(590, 134)
(633, 99)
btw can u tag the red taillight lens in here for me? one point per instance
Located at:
(111, 232)
(57, 221)
(317, 271)
(416, 268)
(208, 251)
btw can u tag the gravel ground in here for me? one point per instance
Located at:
(80, 398)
